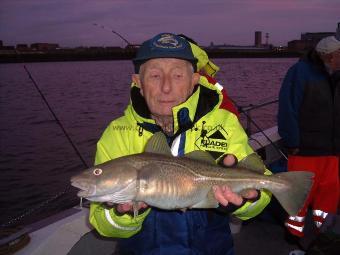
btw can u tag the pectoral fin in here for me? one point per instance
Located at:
(201, 156)
(253, 162)
(158, 144)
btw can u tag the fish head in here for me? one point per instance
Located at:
(107, 182)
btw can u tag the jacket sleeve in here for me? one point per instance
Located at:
(109, 224)
(290, 98)
(252, 209)
(238, 145)
(105, 220)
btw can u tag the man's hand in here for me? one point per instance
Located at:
(128, 207)
(224, 195)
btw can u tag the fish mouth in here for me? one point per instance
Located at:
(85, 193)
(86, 189)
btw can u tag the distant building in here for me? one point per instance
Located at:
(238, 48)
(44, 46)
(267, 39)
(258, 46)
(132, 46)
(113, 48)
(300, 45)
(1, 44)
(6, 48)
(96, 48)
(316, 37)
(258, 38)
(22, 47)
(308, 41)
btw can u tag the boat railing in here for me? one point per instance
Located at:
(247, 112)
(260, 139)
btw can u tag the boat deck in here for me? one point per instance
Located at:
(259, 237)
(256, 237)
(263, 235)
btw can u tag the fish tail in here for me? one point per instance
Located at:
(293, 197)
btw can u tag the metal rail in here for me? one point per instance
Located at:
(246, 110)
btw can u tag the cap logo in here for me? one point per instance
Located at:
(167, 41)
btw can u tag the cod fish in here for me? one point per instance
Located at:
(163, 181)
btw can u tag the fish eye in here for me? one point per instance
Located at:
(97, 171)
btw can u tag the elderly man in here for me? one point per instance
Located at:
(168, 95)
(308, 122)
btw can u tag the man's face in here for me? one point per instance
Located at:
(165, 83)
(336, 60)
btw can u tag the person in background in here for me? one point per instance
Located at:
(168, 95)
(309, 124)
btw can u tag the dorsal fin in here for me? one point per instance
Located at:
(201, 156)
(158, 144)
(252, 162)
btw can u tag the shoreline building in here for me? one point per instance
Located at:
(258, 39)
(307, 41)
(257, 46)
(44, 46)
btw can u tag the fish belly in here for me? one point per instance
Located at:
(166, 187)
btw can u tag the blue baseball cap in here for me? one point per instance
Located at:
(164, 45)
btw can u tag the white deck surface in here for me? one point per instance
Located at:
(59, 237)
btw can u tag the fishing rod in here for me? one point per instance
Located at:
(55, 117)
(44, 203)
(114, 32)
(253, 107)
(51, 110)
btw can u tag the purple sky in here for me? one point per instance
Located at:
(70, 22)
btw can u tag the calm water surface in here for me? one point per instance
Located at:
(36, 159)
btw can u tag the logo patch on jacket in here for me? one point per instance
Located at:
(214, 141)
